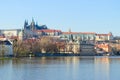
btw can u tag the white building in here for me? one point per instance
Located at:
(6, 48)
(12, 34)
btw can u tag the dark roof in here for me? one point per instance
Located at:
(87, 44)
(6, 42)
(37, 27)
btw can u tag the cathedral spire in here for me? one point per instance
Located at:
(32, 19)
(25, 23)
(33, 22)
(36, 23)
(32, 26)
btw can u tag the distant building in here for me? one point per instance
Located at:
(103, 48)
(11, 34)
(6, 48)
(34, 30)
(30, 29)
(48, 32)
(89, 37)
(104, 37)
(87, 49)
(33, 26)
(72, 47)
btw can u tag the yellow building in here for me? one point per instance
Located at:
(73, 47)
(104, 37)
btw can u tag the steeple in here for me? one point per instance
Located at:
(70, 35)
(69, 30)
(25, 24)
(36, 23)
(33, 20)
(32, 26)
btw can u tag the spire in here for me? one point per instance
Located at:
(70, 35)
(33, 22)
(69, 30)
(32, 25)
(36, 23)
(32, 19)
(25, 23)
(110, 33)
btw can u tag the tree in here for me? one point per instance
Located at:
(20, 49)
(3, 49)
(48, 45)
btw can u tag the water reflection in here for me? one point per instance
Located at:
(102, 68)
(61, 68)
(4, 64)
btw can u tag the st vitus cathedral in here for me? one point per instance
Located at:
(29, 29)
(33, 26)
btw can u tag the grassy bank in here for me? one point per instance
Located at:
(7, 58)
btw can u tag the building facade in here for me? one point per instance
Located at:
(30, 29)
(87, 49)
(11, 34)
(88, 37)
(34, 30)
(104, 37)
(6, 48)
(48, 32)
(72, 47)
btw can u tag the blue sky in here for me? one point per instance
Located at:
(101, 16)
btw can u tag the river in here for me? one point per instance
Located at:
(61, 68)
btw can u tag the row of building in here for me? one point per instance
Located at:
(75, 42)
(33, 30)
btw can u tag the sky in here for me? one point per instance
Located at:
(100, 16)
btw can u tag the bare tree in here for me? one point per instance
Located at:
(48, 44)
(20, 49)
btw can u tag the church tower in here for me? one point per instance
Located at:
(25, 24)
(32, 26)
(70, 35)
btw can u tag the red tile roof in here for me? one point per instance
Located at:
(2, 36)
(78, 32)
(14, 37)
(30, 40)
(103, 34)
(70, 32)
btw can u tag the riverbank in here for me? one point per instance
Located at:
(8, 58)
(53, 55)
(61, 54)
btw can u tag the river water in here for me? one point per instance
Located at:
(61, 68)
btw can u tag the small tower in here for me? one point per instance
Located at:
(25, 24)
(69, 30)
(110, 36)
(33, 22)
(70, 35)
(32, 26)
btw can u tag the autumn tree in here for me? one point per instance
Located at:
(48, 45)
(20, 48)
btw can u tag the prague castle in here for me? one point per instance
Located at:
(33, 26)
(34, 30)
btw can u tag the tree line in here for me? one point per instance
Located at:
(33, 46)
